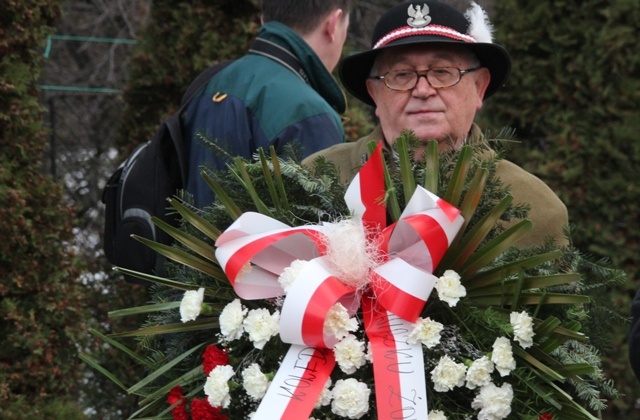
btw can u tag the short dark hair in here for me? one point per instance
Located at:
(301, 15)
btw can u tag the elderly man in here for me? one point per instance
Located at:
(429, 69)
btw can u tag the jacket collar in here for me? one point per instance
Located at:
(319, 77)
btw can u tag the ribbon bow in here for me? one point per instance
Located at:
(256, 249)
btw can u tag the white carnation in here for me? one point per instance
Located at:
(350, 398)
(325, 397)
(494, 403)
(290, 274)
(191, 304)
(448, 374)
(338, 323)
(479, 373)
(369, 355)
(449, 288)
(261, 326)
(502, 356)
(426, 331)
(217, 386)
(522, 325)
(231, 320)
(350, 354)
(437, 415)
(255, 382)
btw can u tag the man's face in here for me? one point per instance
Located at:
(444, 114)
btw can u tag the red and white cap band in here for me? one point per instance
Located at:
(407, 31)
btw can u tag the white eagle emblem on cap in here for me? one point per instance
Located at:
(419, 16)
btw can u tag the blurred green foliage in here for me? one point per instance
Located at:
(183, 39)
(42, 311)
(573, 98)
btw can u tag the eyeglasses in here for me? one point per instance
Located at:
(437, 77)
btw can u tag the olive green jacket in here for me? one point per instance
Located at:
(548, 214)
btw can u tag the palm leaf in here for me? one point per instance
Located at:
(192, 218)
(155, 279)
(119, 346)
(456, 186)
(85, 357)
(471, 240)
(197, 325)
(498, 274)
(156, 307)
(196, 245)
(530, 299)
(406, 172)
(271, 187)
(185, 258)
(432, 167)
(221, 195)
(494, 248)
(277, 173)
(164, 369)
(240, 171)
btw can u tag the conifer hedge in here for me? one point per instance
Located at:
(41, 304)
(573, 98)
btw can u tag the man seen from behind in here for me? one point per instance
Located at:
(280, 92)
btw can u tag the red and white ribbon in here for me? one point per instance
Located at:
(256, 249)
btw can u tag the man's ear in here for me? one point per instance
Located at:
(372, 89)
(482, 79)
(331, 23)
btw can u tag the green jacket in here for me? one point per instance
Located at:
(258, 102)
(548, 214)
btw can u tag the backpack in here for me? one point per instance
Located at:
(139, 189)
(155, 171)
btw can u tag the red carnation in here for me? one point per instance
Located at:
(212, 357)
(179, 412)
(202, 410)
(546, 416)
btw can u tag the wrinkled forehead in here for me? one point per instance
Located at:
(452, 53)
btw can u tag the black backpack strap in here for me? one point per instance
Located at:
(174, 123)
(279, 54)
(201, 81)
(259, 46)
